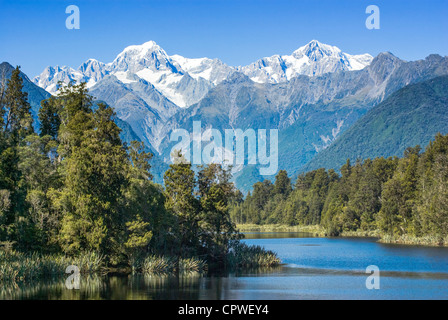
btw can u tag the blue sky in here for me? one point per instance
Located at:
(33, 33)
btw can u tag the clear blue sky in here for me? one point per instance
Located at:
(33, 33)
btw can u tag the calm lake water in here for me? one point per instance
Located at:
(314, 268)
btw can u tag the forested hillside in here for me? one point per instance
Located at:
(410, 116)
(404, 199)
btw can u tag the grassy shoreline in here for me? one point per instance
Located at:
(18, 266)
(427, 241)
(319, 231)
(313, 229)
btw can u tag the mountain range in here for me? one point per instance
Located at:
(311, 96)
(411, 116)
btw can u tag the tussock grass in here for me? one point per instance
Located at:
(192, 265)
(164, 265)
(158, 264)
(245, 256)
(16, 266)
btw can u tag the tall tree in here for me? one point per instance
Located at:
(282, 184)
(216, 192)
(180, 185)
(16, 124)
(94, 172)
(16, 117)
(49, 117)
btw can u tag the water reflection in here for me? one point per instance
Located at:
(90, 288)
(314, 268)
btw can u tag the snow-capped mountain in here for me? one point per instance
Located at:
(186, 81)
(151, 63)
(313, 59)
(50, 77)
(94, 71)
(90, 71)
(213, 70)
(311, 96)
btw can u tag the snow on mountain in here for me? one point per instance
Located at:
(186, 81)
(146, 56)
(313, 59)
(183, 81)
(151, 63)
(213, 70)
(49, 78)
(93, 70)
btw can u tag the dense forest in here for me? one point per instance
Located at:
(404, 200)
(75, 188)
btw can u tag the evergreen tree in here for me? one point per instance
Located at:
(216, 192)
(282, 184)
(180, 185)
(16, 117)
(94, 173)
(16, 124)
(49, 117)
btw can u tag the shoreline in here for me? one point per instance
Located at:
(318, 231)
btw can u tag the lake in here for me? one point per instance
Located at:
(314, 268)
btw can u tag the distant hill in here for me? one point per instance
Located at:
(411, 116)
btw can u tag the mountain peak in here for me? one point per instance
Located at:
(387, 54)
(6, 66)
(384, 57)
(312, 44)
(138, 57)
(144, 47)
(316, 50)
(317, 44)
(141, 51)
(313, 59)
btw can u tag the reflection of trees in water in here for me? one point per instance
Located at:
(48, 289)
(132, 287)
(191, 286)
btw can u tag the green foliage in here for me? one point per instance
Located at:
(15, 112)
(77, 193)
(15, 125)
(49, 117)
(402, 198)
(216, 193)
(180, 183)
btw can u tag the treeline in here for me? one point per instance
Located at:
(404, 198)
(76, 188)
